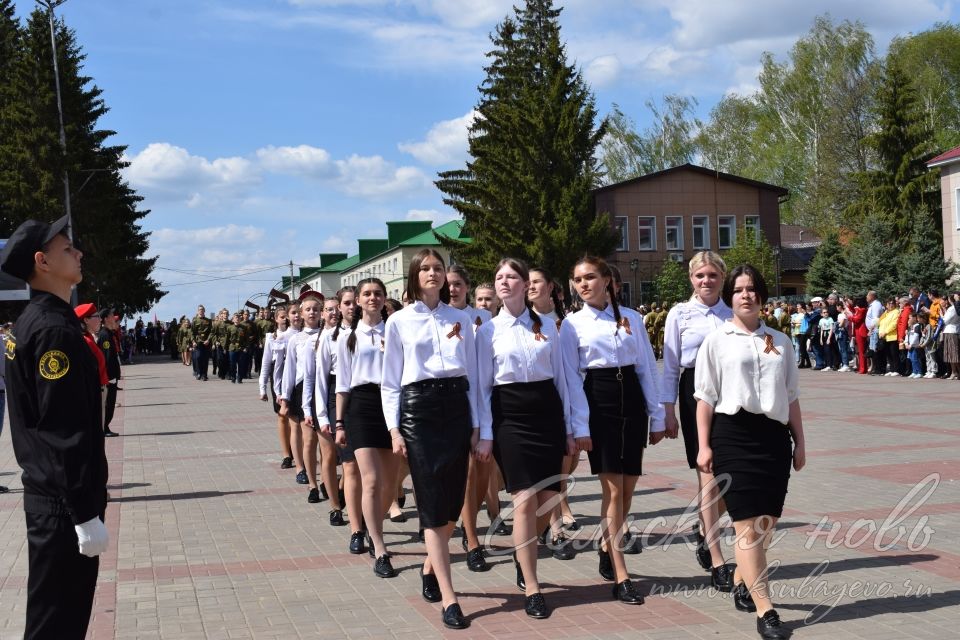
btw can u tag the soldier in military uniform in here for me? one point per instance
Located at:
(201, 327)
(649, 322)
(237, 338)
(250, 348)
(107, 341)
(53, 392)
(218, 334)
(184, 340)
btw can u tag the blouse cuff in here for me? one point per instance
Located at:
(702, 395)
(656, 426)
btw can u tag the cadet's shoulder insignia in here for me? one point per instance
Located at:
(54, 365)
(106, 345)
(10, 347)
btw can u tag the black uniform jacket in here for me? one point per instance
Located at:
(53, 392)
(108, 344)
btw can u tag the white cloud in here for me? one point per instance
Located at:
(302, 160)
(603, 71)
(434, 216)
(227, 234)
(446, 143)
(165, 171)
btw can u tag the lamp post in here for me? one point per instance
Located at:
(776, 266)
(634, 265)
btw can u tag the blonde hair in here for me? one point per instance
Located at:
(702, 258)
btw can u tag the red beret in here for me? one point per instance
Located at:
(85, 310)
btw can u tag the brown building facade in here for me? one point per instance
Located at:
(673, 214)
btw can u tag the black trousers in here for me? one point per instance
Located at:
(61, 581)
(202, 353)
(111, 403)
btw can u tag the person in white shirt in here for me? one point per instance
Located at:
(274, 343)
(875, 344)
(687, 324)
(521, 408)
(279, 353)
(747, 411)
(606, 352)
(359, 413)
(478, 475)
(428, 393)
(485, 298)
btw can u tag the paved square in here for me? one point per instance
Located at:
(210, 539)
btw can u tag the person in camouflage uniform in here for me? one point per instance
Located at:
(216, 343)
(238, 338)
(184, 340)
(265, 326)
(201, 327)
(649, 321)
(659, 325)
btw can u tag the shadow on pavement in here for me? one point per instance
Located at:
(127, 485)
(167, 433)
(860, 609)
(805, 569)
(179, 496)
(156, 404)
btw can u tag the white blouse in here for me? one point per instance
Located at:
(688, 323)
(363, 365)
(278, 352)
(321, 366)
(508, 352)
(421, 344)
(475, 314)
(293, 366)
(738, 370)
(591, 339)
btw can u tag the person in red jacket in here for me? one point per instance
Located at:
(903, 324)
(856, 311)
(89, 316)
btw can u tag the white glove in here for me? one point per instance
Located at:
(92, 537)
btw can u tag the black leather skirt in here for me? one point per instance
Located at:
(436, 425)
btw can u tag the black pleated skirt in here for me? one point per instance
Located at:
(365, 424)
(529, 436)
(344, 453)
(687, 405)
(618, 421)
(436, 425)
(756, 453)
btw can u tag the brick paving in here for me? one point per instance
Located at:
(210, 539)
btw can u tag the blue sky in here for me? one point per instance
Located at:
(264, 131)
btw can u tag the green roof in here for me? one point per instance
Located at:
(452, 230)
(327, 259)
(342, 265)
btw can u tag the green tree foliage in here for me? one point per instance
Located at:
(749, 249)
(872, 259)
(526, 192)
(106, 221)
(621, 148)
(672, 283)
(924, 264)
(730, 141)
(828, 266)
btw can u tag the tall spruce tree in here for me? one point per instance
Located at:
(924, 265)
(872, 259)
(828, 265)
(106, 221)
(756, 251)
(526, 192)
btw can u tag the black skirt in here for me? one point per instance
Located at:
(295, 404)
(688, 417)
(436, 425)
(756, 453)
(618, 421)
(344, 453)
(529, 436)
(365, 424)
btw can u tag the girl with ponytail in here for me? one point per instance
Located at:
(607, 356)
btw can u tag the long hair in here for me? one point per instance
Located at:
(352, 338)
(413, 275)
(759, 284)
(460, 270)
(340, 294)
(554, 293)
(604, 270)
(521, 268)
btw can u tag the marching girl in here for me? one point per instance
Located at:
(478, 475)
(485, 297)
(688, 323)
(748, 411)
(275, 343)
(291, 396)
(606, 350)
(319, 401)
(184, 340)
(428, 393)
(359, 414)
(520, 405)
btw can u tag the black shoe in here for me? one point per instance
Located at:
(463, 541)
(109, 434)
(323, 492)
(336, 518)
(502, 529)
(721, 578)
(429, 587)
(606, 566)
(561, 549)
(632, 544)
(703, 556)
(542, 538)
(314, 496)
(536, 607)
(475, 560)
(402, 499)
(626, 593)
(742, 599)
(356, 543)
(573, 526)
(452, 617)
(769, 626)
(4, 489)
(302, 477)
(204, 378)
(521, 583)
(286, 463)
(382, 567)
(370, 548)
(400, 517)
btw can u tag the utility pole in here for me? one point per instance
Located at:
(293, 295)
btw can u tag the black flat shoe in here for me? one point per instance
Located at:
(336, 518)
(452, 617)
(721, 578)
(4, 489)
(561, 549)
(632, 544)
(543, 537)
(770, 627)
(109, 434)
(521, 583)
(606, 566)
(571, 526)
(402, 500)
(536, 607)
(323, 492)
(356, 543)
(429, 587)
(382, 568)
(302, 477)
(502, 529)
(742, 599)
(703, 555)
(476, 562)
(626, 593)
(400, 517)
(314, 496)
(286, 463)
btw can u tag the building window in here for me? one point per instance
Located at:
(647, 238)
(620, 224)
(726, 231)
(674, 227)
(752, 225)
(701, 232)
(626, 296)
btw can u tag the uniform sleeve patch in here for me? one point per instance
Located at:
(54, 365)
(10, 347)
(106, 345)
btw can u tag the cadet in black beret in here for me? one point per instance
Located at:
(53, 393)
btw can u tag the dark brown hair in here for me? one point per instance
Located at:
(413, 275)
(340, 293)
(521, 268)
(759, 284)
(554, 292)
(352, 338)
(604, 269)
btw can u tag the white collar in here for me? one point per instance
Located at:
(730, 328)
